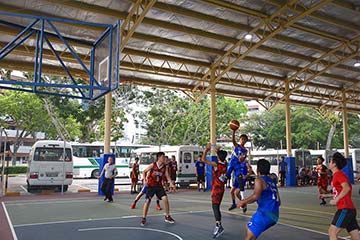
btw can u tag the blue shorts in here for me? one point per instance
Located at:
(143, 190)
(237, 184)
(260, 221)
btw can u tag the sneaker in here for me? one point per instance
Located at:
(158, 207)
(232, 207)
(133, 205)
(169, 219)
(143, 222)
(244, 209)
(105, 198)
(218, 230)
(110, 200)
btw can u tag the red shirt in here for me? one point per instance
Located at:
(322, 174)
(221, 169)
(156, 175)
(173, 167)
(339, 177)
(135, 170)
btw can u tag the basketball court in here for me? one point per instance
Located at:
(87, 216)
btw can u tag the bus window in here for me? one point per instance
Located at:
(52, 154)
(187, 157)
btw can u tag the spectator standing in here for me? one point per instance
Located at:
(282, 171)
(200, 174)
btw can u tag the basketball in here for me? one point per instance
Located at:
(234, 125)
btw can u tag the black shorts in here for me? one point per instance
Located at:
(173, 176)
(201, 178)
(345, 218)
(158, 190)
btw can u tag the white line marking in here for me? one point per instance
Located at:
(81, 186)
(23, 188)
(102, 219)
(305, 229)
(9, 221)
(39, 202)
(285, 224)
(131, 228)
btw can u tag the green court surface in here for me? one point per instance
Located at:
(86, 216)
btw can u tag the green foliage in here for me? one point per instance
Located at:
(354, 130)
(309, 127)
(14, 170)
(173, 119)
(23, 110)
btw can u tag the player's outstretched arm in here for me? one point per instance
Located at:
(203, 157)
(258, 188)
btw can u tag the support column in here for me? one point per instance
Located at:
(345, 125)
(290, 160)
(348, 169)
(108, 99)
(287, 119)
(212, 157)
(212, 113)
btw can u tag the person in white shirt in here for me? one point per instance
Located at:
(110, 172)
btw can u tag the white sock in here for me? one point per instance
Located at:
(242, 194)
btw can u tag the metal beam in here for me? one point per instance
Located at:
(309, 72)
(229, 93)
(274, 23)
(323, 17)
(133, 20)
(198, 32)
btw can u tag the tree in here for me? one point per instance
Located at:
(24, 112)
(174, 119)
(309, 128)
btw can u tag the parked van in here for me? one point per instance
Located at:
(185, 155)
(50, 165)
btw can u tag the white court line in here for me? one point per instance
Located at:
(23, 188)
(309, 230)
(131, 228)
(102, 219)
(81, 186)
(40, 202)
(9, 221)
(288, 225)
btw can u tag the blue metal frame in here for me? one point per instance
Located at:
(93, 89)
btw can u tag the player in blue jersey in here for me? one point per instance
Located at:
(268, 199)
(242, 169)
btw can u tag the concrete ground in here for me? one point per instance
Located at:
(87, 216)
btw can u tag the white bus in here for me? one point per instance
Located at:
(185, 155)
(302, 158)
(87, 158)
(50, 165)
(354, 154)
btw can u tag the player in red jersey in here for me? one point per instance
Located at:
(153, 177)
(218, 186)
(323, 179)
(134, 175)
(345, 216)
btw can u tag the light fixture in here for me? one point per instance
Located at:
(357, 64)
(248, 36)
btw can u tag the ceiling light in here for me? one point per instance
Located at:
(357, 64)
(248, 36)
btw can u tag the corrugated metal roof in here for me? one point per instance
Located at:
(312, 44)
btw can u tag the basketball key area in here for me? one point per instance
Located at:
(87, 216)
